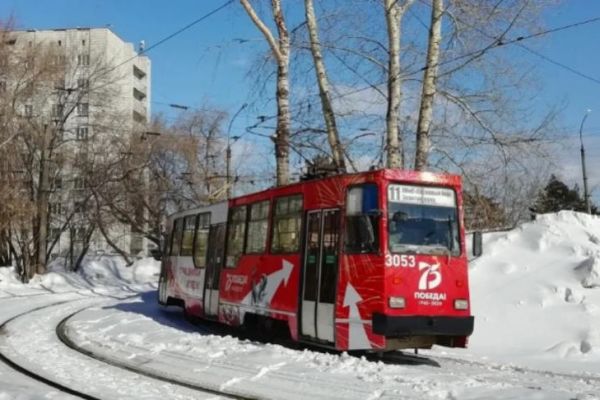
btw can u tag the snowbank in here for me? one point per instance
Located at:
(96, 272)
(535, 294)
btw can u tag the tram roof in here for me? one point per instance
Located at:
(219, 210)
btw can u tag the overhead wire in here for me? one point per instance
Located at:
(538, 54)
(479, 52)
(559, 64)
(170, 36)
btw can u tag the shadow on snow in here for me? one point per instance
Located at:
(174, 317)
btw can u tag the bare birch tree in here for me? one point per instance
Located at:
(280, 49)
(333, 136)
(429, 85)
(394, 13)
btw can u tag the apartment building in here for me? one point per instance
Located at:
(101, 94)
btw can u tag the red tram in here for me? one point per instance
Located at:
(367, 261)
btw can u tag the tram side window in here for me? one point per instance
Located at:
(287, 219)
(187, 241)
(257, 227)
(201, 240)
(176, 237)
(236, 232)
(362, 220)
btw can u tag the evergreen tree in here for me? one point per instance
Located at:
(558, 196)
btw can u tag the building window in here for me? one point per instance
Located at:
(83, 83)
(56, 208)
(83, 42)
(78, 183)
(60, 42)
(137, 117)
(28, 110)
(138, 94)
(287, 219)
(60, 60)
(83, 59)
(59, 137)
(58, 110)
(2, 86)
(79, 207)
(138, 73)
(54, 234)
(59, 84)
(82, 133)
(201, 240)
(83, 109)
(236, 233)
(78, 234)
(56, 183)
(257, 227)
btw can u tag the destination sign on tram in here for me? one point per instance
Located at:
(431, 196)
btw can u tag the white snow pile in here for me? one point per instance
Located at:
(95, 273)
(535, 294)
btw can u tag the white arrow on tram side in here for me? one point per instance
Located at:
(274, 280)
(357, 336)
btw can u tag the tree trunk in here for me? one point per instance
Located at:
(281, 51)
(393, 16)
(41, 242)
(429, 86)
(282, 146)
(111, 243)
(323, 82)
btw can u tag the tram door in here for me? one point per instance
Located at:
(320, 270)
(214, 261)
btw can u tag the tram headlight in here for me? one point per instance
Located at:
(396, 302)
(461, 304)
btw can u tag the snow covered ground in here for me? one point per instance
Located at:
(535, 295)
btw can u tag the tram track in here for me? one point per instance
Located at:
(588, 377)
(141, 361)
(61, 333)
(15, 359)
(30, 373)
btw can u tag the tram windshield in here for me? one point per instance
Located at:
(422, 220)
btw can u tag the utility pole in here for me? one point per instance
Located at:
(586, 196)
(228, 180)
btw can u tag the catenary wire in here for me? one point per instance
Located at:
(171, 36)
(481, 51)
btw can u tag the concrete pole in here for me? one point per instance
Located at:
(586, 196)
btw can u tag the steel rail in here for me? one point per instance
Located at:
(21, 369)
(62, 335)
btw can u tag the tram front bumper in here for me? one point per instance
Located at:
(397, 326)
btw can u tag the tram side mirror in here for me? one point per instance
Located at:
(156, 254)
(477, 244)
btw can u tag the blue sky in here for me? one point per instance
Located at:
(207, 65)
